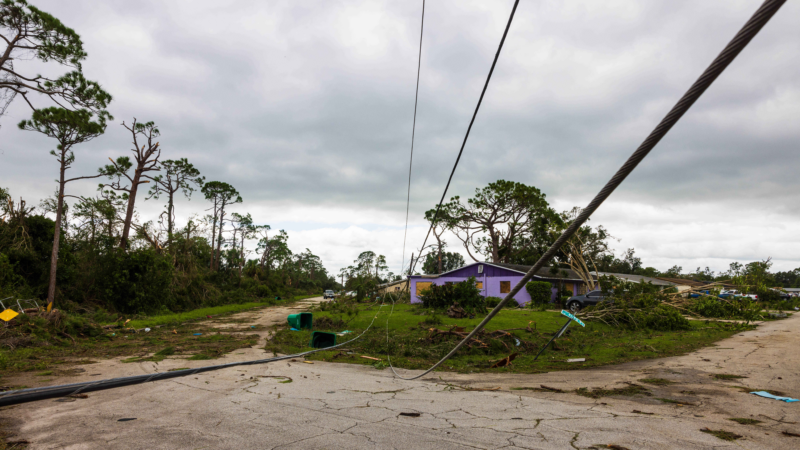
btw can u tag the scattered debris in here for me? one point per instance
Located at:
(285, 378)
(147, 330)
(457, 312)
(628, 391)
(370, 358)
(576, 360)
(722, 434)
(197, 334)
(552, 389)
(642, 412)
(726, 376)
(516, 418)
(309, 362)
(505, 362)
(410, 414)
(745, 421)
(766, 394)
(789, 433)
(126, 419)
(657, 381)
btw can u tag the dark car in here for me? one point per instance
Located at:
(576, 303)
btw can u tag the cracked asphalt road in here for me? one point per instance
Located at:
(333, 406)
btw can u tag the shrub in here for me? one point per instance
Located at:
(465, 293)
(540, 291)
(138, 281)
(491, 302)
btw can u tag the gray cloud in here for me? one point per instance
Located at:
(310, 103)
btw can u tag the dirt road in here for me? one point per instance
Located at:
(329, 405)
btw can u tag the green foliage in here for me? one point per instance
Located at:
(492, 302)
(450, 261)
(740, 308)
(540, 292)
(465, 293)
(44, 37)
(138, 281)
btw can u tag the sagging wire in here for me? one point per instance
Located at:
(413, 132)
(750, 29)
(452, 172)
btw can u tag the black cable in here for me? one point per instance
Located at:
(463, 144)
(42, 393)
(734, 47)
(413, 131)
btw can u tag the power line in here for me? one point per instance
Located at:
(413, 131)
(466, 136)
(720, 63)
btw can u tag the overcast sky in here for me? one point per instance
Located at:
(306, 108)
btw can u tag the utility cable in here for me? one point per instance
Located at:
(469, 128)
(413, 131)
(734, 47)
(42, 393)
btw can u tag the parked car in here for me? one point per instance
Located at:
(578, 302)
(329, 294)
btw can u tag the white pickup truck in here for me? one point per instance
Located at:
(329, 294)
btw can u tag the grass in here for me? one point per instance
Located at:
(628, 391)
(413, 345)
(657, 381)
(722, 434)
(156, 345)
(726, 376)
(745, 421)
(200, 314)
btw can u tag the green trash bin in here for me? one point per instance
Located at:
(301, 320)
(322, 339)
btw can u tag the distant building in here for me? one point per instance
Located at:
(393, 286)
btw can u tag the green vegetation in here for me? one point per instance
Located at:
(540, 292)
(415, 344)
(725, 376)
(657, 381)
(745, 421)
(465, 294)
(627, 391)
(722, 434)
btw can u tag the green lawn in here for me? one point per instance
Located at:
(197, 314)
(413, 345)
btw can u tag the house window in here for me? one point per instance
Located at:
(421, 286)
(505, 287)
(480, 268)
(582, 288)
(479, 285)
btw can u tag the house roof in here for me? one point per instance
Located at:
(392, 283)
(544, 272)
(685, 282)
(639, 278)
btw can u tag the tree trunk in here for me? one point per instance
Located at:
(170, 210)
(219, 238)
(495, 244)
(241, 258)
(213, 235)
(126, 228)
(51, 290)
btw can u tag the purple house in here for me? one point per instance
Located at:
(497, 279)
